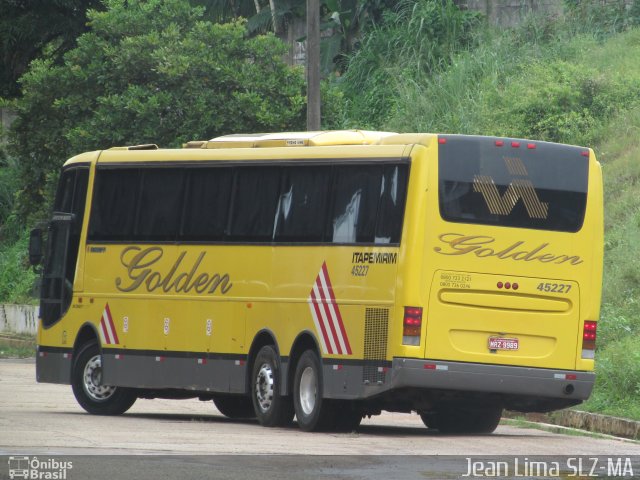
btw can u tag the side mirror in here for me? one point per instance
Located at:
(35, 247)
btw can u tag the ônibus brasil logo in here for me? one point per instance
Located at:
(38, 469)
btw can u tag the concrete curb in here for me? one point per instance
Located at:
(591, 422)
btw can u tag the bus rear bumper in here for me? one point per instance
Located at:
(484, 378)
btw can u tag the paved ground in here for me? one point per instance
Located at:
(44, 419)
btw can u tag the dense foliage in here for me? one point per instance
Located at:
(341, 21)
(150, 72)
(29, 27)
(415, 41)
(431, 67)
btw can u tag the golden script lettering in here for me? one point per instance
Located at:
(138, 263)
(478, 245)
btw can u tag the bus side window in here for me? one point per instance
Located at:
(302, 205)
(159, 204)
(207, 204)
(255, 200)
(393, 191)
(356, 195)
(114, 204)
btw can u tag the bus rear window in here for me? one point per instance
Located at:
(512, 183)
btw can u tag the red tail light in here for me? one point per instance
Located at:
(589, 334)
(412, 325)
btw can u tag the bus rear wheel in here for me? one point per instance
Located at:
(271, 407)
(313, 412)
(86, 382)
(464, 420)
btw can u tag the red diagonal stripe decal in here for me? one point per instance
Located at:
(315, 307)
(111, 324)
(337, 310)
(326, 315)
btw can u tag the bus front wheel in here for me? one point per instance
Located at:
(90, 392)
(271, 407)
(313, 412)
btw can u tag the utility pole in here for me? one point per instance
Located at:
(313, 65)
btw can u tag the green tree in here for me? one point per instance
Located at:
(150, 72)
(342, 21)
(27, 27)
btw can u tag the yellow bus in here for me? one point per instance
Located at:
(326, 276)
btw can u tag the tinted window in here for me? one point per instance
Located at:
(64, 194)
(114, 204)
(76, 207)
(79, 199)
(56, 289)
(301, 210)
(288, 204)
(206, 212)
(543, 187)
(255, 200)
(392, 199)
(159, 204)
(71, 195)
(355, 204)
(63, 244)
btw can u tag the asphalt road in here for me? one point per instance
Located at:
(181, 436)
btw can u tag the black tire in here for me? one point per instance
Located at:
(270, 407)
(313, 412)
(86, 382)
(235, 406)
(464, 420)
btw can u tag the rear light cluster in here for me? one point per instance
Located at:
(515, 144)
(589, 334)
(508, 285)
(412, 325)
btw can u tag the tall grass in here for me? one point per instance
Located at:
(415, 40)
(617, 379)
(454, 99)
(546, 89)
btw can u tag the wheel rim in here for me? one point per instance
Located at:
(264, 387)
(308, 390)
(92, 381)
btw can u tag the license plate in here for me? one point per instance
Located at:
(497, 343)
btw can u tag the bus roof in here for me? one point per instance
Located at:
(295, 139)
(235, 142)
(385, 144)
